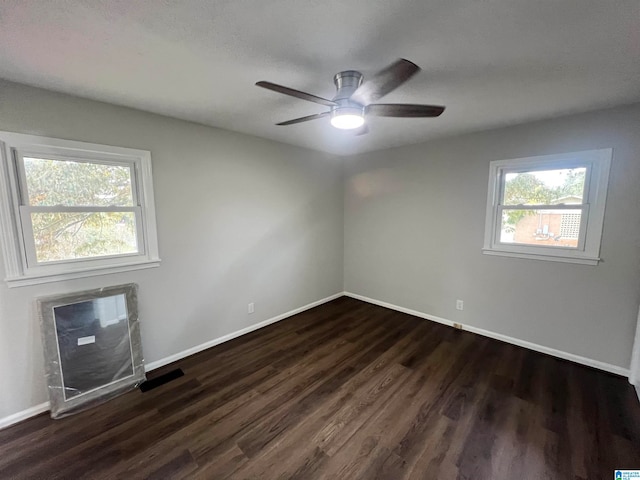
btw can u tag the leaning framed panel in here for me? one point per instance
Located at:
(92, 346)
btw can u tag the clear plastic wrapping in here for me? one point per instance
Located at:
(92, 346)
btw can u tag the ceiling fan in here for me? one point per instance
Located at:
(354, 99)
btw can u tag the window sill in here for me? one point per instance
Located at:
(26, 280)
(549, 258)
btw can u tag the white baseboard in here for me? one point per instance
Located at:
(43, 407)
(607, 367)
(225, 338)
(24, 414)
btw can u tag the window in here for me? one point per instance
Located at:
(74, 209)
(548, 208)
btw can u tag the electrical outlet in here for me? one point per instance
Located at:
(251, 308)
(459, 305)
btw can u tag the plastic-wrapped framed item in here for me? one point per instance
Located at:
(92, 346)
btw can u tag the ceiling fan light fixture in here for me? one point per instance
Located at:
(354, 98)
(347, 118)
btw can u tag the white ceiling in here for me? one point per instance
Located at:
(491, 62)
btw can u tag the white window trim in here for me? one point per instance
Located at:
(12, 239)
(598, 163)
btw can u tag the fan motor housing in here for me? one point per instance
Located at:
(346, 83)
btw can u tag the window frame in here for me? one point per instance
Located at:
(18, 247)
(597, 163)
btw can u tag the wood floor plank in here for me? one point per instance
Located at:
(229, 422)
(347, 390)
(276, 456)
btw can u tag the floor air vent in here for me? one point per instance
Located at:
(161, 380)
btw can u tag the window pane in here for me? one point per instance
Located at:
(69, 235)
(545, 187)
(553, 228)
(63, 182)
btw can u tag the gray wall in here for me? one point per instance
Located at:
(414, 225)
(240, 220)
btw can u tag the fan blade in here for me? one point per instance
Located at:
(304, 119)
(403, 110)
(385, 81)
(353, 132)
(363, 130)
(296, 93)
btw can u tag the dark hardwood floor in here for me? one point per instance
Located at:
(348, 390)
